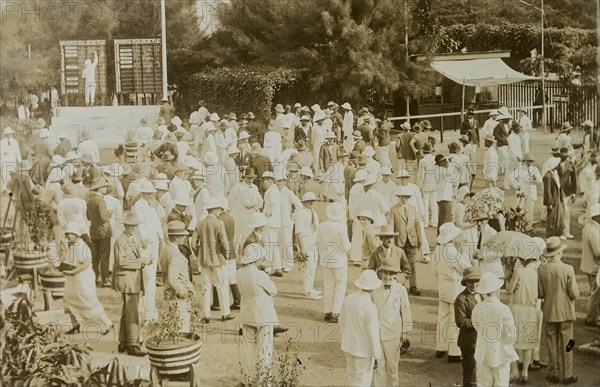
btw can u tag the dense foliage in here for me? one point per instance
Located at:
(247, 88)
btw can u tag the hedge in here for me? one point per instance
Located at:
(241, 88)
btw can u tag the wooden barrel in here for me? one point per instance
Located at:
(130, 152)
(54, 282)
(174, 359)
(26, 261)
(6, 238)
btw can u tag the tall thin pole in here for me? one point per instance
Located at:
(462, 110)
(543, 76)
(406, 45)
(163, 42)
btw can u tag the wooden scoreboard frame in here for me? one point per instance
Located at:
(72, 55)
(138, 69)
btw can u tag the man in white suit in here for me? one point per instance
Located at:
(151, 234)
(359, 325)
(272, 211)
(10, 155)
(288, 199)
(244, 200)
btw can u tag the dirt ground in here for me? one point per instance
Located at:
(318, 342)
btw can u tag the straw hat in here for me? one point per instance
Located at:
(71, 156)
(176, 121)
(368, 280)
(258, 219)
(346, 106)
(252, 253)
(335, 212)
(403, 173)
(357, 135)
(528, 157)
(309, 197)
(233, 116)
(405, 126)
(319, 116)
(198, 175)
(306, 171)
(214, 203)
(160, 185)
(131, 219)
(100, 183)
(268, 175)
(330, 136)
(448, 232)
(256, 149)
(69, 190)
(8, 130)
(489, 283)
(494, 112)
(426, 148)
(489, 138)
(232, 150)
(316, 108)
(243, 135)
(250, 116)
(370, 180)
(386, 230)
(588, 123)
(439, 159)
(404, 191)
(470, 273)
(177, 227)
(369, 151)
(521, 109)
(57, 161)
(426, 124)
(565, 127)
(366, 214)
(147, 187)
(386, 171)
(249, 173)
(297, 105)
(279, 108)
(553, 247)
(56, 175)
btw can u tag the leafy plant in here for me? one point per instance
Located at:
(39, 220)
(516, 219)
(168, 327)
(284, 372)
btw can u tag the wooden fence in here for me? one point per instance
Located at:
(571, 103)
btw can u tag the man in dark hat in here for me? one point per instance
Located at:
(100, 230)
(467, 335)
(166, 110)
(470, 127)
(568, 184)
(564, 139)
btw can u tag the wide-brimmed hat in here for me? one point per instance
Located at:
(147, 187)
(357, 134)
(360, 176)
(489, 283)
(464, 138)
(319, 116)
(342, 153)
(521, 109)
(182, 200)
(405, 126)
(448, 232)
(346, 106)
(403, 173)
(565, 127)
(439, 159)
(279, 108)
(528, 157)
(160, 121)
(256, 149)
(462, 192)
(215, 117)
(316, 108)
(179, 134)
(493, 112)
(176, 121)
(404, 191)
(506, 116)
(370, 180)
(243, 135)
(588, 123)
(250, 116)
(224, 124)
(305, 118)
(368, 151)
(366, 214)
(453, 147)
(232, 150)
(553, 246)
(178, 167)
(426, 148)
(214, 203)
(330, 136)
(233, 116)
(249, 173)
(297, 105)
(386, 230)
(258, 219)
(268, 175)
(306, 171)
(73, 228)
(131, 219)
(160, 185)
(368, 280)
(386, 171)
(8, 130)
(69, 190)
(99, 183)
(489, 138)
(177, 227)
(252, 253)
(470, 112)
(309, 197)
(57, 161)
(114, 170)
(362, 160)
(279, 174)
(301, 145)
(335, 211)
(56, 174)
(470, 273)
(389, 265)
(564, 152)
(426, 124)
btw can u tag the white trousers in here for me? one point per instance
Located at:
(231, 271)
(334, 288)
(216, 276)
(386, 373)
(356, 242)
(147, 307)
(271, 239)
(430, 200)
(503, 158)
(90, 93)
(311, 265)
(524, 141)
(566, 217)
(384, 156)
(256, 351)
(286, 248)
(446, 333)
(184, 307)
(493, 376)
(241, 231)
(359, 370)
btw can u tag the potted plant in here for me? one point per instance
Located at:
(170, 351)
(52, 278)
(31, 253)
(130, 146)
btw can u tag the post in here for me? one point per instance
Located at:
(462, 111)
(163, 42)
(543, 77)
(406, 44)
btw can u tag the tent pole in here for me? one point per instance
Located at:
(462, 111)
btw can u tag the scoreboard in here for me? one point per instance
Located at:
(72, 55)
(138, 66)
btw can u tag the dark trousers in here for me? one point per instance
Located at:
(444, 213)
(101, 258)
(469, 367)
(411, 253)
(129, 329)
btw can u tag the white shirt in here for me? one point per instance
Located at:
(525, 179)
(427, 173)
(447, 179)
(306, 223)
(388, 191)
(359, 324)
(448, 266)
(257, 290)
(286, 120)
(182, 150)
(200, 202)
(73, 210)
(514, 147)
(355, 197)
(90, 147)
(203, 113)
(272, 141)
(491, 164)
(416, 199)
(240, 198)
(373, 167)
(374, 202)
(150, 227)
(116, 219)
(333, 244)
(525, 123)
(180, 189)
(288, 198)
(272, 208)
(9, 151)
(488, 127)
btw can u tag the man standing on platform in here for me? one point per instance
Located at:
(89, 76)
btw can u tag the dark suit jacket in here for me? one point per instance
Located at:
(261, 164)
(408, 228)
(253, 238)
(568, 177)
(300, 135)
(64, 147)
(472, 130)
(327, 158)
(210, 243)
(463, 307)
(98, 215)
(397, 254)
(182, 217)
(127, 273)
(229, 223)
(91, 174)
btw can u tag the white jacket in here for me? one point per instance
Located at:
(288, 198)
(359, 324)
(491, 165)
(427, 174)
(150, 227)
(240, 198)
(333, 244)
(272, 208)
(393, 309)
(448, 266)
(257, 292)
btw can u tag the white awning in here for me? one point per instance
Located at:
(477, 72)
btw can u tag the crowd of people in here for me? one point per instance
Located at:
(233, 201)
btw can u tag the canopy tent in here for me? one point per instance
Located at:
(476, 72)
